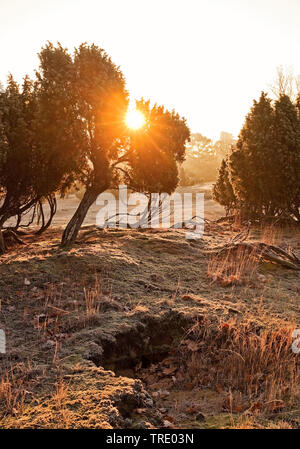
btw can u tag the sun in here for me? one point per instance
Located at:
(135, 119)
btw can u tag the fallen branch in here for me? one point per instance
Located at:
(263, 251)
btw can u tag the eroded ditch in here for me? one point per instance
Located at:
(206, 372)
(148, 341)
(149, 351)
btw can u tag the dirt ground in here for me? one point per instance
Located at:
(144, 328)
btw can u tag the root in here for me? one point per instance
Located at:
(8, 235)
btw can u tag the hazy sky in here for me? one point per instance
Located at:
(206, 58)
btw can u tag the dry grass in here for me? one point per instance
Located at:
(272, 235)
(92, 297)
(60, 398)
(253, 367)
(13, 389)
(238, 264)
(250, 422)
(236, 268)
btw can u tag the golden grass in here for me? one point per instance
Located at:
(92, 297)
(13, 389)
(253, 367)
(233, 269)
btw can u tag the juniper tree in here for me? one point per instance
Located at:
(23, 170)
(156, 149)
(250, 162)
(101, 103)
(18, 160)
(264, 167)
(60, 131)
(286, 158)
(40, 134)
(69, 125)
(107, 149)
(222, 190)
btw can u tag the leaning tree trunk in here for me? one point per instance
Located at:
(72, 229)
(101, 182)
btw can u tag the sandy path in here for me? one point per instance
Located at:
(66, 207)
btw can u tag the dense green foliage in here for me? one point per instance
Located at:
(32, 163)
(261, 176)
(222, 189)
(18, 159)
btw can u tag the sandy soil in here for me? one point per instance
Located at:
(66, 207)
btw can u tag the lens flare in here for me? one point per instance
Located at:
(135, 119)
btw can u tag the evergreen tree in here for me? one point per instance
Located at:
(264, 166)
(222, 189)
(156, 150)
(249, 162)
(40, 138)
(18, 156)
(85, 94)
(286, 158)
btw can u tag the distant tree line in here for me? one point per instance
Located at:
(67, 127)
(203, 158)
(260, 177)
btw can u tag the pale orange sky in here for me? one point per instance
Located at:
(206, 58)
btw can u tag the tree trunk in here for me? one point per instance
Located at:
(72, 229)
(53, 208)
(2, 241)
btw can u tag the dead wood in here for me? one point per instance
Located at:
(263, 252)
